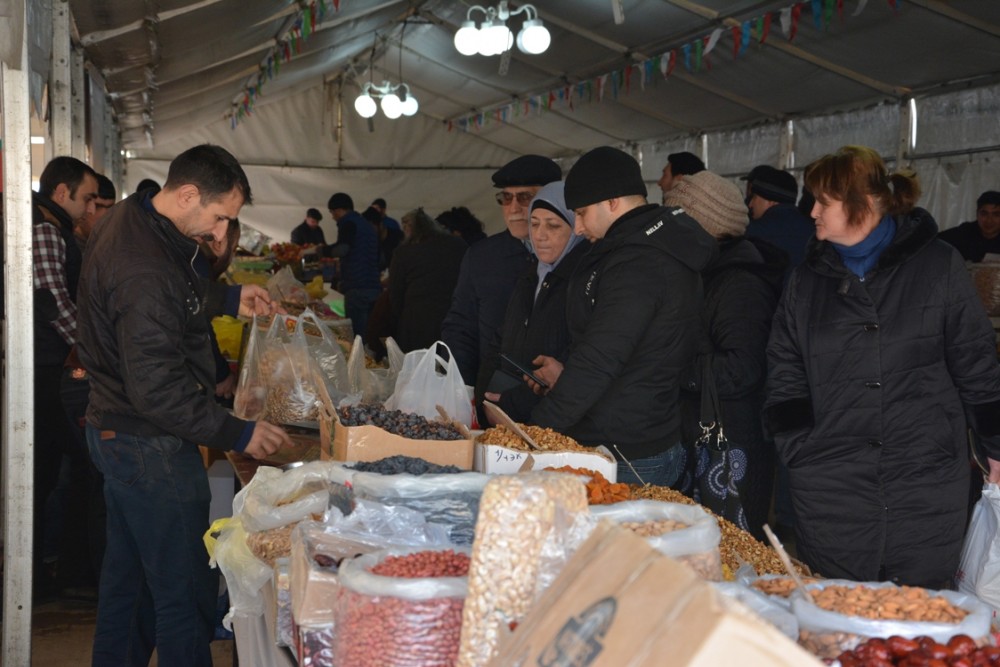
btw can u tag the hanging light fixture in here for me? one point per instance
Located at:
(493, 37)
(392, 104)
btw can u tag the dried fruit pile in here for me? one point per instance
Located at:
(960, 651)
(599, 490)
(399, 464)
(400, 423)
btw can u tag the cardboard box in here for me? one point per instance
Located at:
(499, 460)
(371, 443)
(618, 603)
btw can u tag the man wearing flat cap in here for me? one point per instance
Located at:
(633, 307)
(492, 266)
(774, 218)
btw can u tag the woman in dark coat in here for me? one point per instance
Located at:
(741, 293)
(878, 350)
(422, 276)
(535, 322)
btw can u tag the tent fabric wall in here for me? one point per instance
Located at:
(961, 120)
(289, 151)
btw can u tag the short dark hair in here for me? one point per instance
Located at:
(105, 188)
(314, 214)
(988, 198)
(212, 169)
(685, 164)
(379, 202)
(148, 184)
(66, 170)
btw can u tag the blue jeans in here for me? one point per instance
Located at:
(358, 304)
(662, 469)
(156, 589)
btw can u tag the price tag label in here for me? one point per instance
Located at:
(508, 456)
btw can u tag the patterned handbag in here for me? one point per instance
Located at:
(715, 466)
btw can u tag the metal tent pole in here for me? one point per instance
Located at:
(18, 379)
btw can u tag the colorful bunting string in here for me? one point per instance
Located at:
(693, 55)
(287, 47)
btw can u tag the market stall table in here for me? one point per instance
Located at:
(254, 637)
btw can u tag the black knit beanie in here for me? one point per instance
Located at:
(601, 174)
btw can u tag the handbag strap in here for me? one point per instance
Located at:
(711, 410)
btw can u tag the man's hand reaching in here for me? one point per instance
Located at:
(266, 440)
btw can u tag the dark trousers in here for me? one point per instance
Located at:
(358, 304)
(52, 438)
(157, 589)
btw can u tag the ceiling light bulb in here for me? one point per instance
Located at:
(534, 37)
(484, 46)
(467, 39)
(391, 106)
(365, 105)
(500, 38)
(409, 106)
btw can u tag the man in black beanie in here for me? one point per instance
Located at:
(492, 266)
(633, 307)
(774, 218)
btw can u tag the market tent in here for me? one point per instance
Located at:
(275, 81)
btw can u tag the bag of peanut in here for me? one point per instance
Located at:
(529, 525)
(684, 532)
(841, 614)
(400, 608)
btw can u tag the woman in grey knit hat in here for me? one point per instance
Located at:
(742, 287)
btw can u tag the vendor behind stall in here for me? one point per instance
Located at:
(633, 308)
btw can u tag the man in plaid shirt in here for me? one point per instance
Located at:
(67, 190)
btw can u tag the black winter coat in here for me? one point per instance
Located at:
(143, 333)
(489, 271)
(633, 307)
(421, 281)
(741, 294)
(866, 389)
(531, 327)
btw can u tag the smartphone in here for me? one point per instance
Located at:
(523, 371)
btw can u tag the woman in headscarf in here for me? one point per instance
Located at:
(535, 322)
(878, 351)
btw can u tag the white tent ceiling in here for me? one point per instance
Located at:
(177, 70)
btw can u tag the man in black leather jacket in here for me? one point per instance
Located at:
(144, 339)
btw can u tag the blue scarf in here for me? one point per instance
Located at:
(862, 257)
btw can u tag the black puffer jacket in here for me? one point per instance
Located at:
(633, 308)
(143, 333)
(741, 293)
(532, 326)
(866, 388)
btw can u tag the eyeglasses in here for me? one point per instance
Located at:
(523, 198)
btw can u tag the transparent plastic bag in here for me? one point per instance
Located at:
(318, 548)
(276, 498)
(979, 568)
(285, 288)
(375, 385)
(697, 545)
(986, 279)
(328, 358)
(283, 633)
(426, 381)
(828, 633)
(451, 500)
(397, 621)
(251, 388)
(769, 609)
(529, 525)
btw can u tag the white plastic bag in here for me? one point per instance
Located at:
(245, 574)
(979, 568)
(274, 498)
(374, 384)
(697, 545)
(426, 381)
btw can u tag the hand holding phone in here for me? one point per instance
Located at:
(523, 370)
